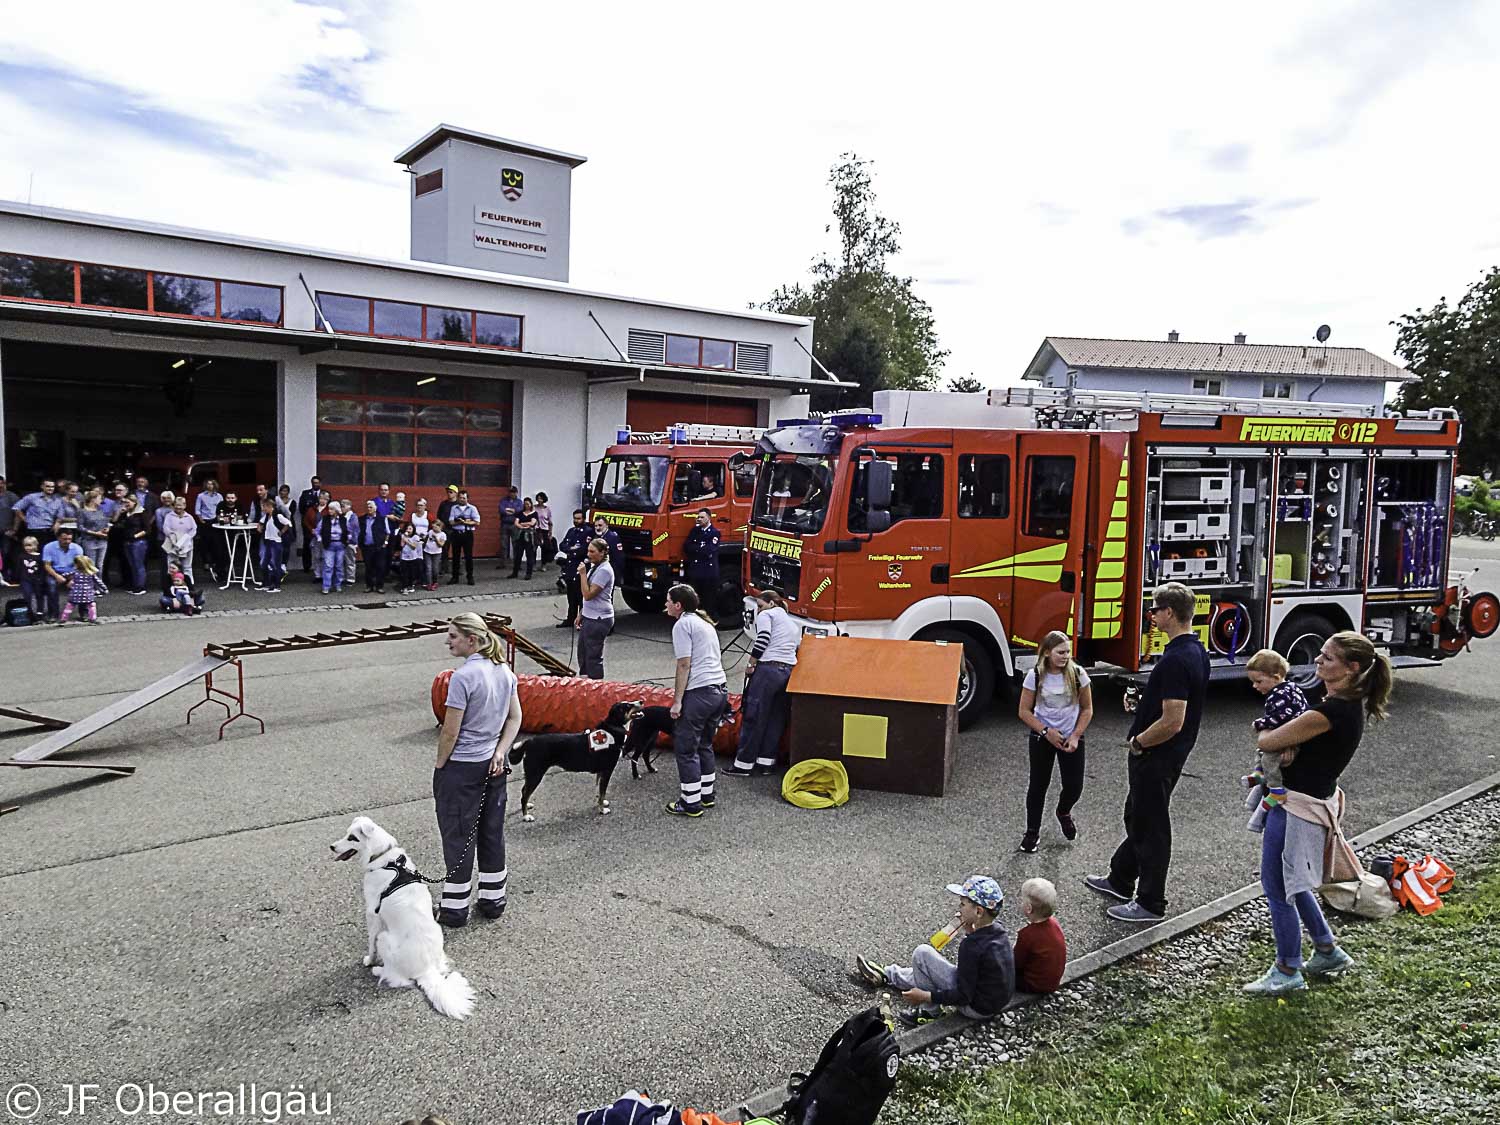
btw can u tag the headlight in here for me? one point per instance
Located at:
(815, 631)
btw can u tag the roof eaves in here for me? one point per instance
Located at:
(443, 132)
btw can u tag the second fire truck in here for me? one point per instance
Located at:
(1290, 520)
(650, 488)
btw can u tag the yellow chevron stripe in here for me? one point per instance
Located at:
(1016, 564)
(1107, 611)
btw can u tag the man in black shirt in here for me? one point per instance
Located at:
(1161, 737)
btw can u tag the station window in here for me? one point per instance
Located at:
(695, 351)
(92, 285)
(984, 487)
(370, 316)
(1276, 388)
(1213, 387)
(916, 489)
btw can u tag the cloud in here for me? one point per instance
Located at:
(1214, 220)
(1228, 158)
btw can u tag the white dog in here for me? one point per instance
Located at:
(404, 938)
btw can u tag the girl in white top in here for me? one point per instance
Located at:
(1057, 705)
(432, 551)
(411, 557)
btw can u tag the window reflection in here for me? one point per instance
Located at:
(395, 318)
(498, 331)
(345, 314)
(258, 303)
(189, 296)
(451, 325)
(111, 287)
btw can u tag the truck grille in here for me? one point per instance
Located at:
(772, 570)
(634, 540)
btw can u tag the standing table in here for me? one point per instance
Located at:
(240, 538)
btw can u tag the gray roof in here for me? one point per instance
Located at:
(452, 132)
(1229, 359)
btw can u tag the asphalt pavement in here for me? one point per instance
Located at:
(185, 926)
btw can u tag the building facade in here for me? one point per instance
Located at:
(128, 344)
(1309, 373)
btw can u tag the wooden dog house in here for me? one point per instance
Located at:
(886, 709)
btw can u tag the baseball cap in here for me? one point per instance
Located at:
(980, 889)
(453, 488)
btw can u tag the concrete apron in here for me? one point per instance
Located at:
(927, 1035)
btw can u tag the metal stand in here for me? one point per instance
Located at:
(239, 535)
(238, 696)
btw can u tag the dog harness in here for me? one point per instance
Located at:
(405, 876)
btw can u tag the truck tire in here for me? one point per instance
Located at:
(976, 683)
(1300, 637)
(643, 602)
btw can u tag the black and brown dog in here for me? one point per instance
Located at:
(641, 746)
(595, 751)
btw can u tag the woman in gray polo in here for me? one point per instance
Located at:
(481, 720)
(596, 620)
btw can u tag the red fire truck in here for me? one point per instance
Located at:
(1291, 520)
(650, 488)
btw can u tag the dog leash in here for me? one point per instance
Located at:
(473, 835)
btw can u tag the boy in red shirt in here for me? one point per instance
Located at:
(1041, 951)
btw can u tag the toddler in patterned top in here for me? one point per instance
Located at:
(1267, 671)
(85, 585)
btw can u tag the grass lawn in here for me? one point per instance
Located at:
(1412, 1034)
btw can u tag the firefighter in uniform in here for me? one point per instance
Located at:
(573, 549)
(700, 556)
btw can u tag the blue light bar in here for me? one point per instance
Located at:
(677, 435)
(850, 421)
(796, 422)
(622, 435)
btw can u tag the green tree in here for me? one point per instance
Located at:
(1454, 352)
(965, 384)
(871, 328)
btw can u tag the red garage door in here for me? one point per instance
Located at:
(650, 411)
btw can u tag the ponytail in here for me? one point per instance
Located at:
(473, 626)
(1376, 678)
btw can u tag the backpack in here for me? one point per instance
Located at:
(852, 1078)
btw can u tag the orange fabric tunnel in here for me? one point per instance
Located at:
(564, 704)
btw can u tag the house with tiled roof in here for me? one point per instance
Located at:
(1308, 372)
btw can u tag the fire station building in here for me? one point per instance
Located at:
(127, 344)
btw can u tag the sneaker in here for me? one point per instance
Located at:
(916, 1017)
(1029, 842)
(489, 909)
(1275, 982)
(1331, 964)
(1069, 829)
(452, 919)
(734, 769)
(707, 803)
(1133, 912)
(1103, 886)
(869, 972)
(677, 808)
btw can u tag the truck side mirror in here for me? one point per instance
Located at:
(879, 487)
(877, 520)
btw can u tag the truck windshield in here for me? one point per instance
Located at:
(791, 493)
(631, 484)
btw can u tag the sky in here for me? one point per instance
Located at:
(1084, 169)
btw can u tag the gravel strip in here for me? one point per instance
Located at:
(1460, 836)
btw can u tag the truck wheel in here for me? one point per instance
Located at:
(1299, 640)
(976, 682)
(643, 602)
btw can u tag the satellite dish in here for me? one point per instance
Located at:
(1323, 333)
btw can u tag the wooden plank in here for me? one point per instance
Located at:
(116, 711)
(31, 717)
(111, 767)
